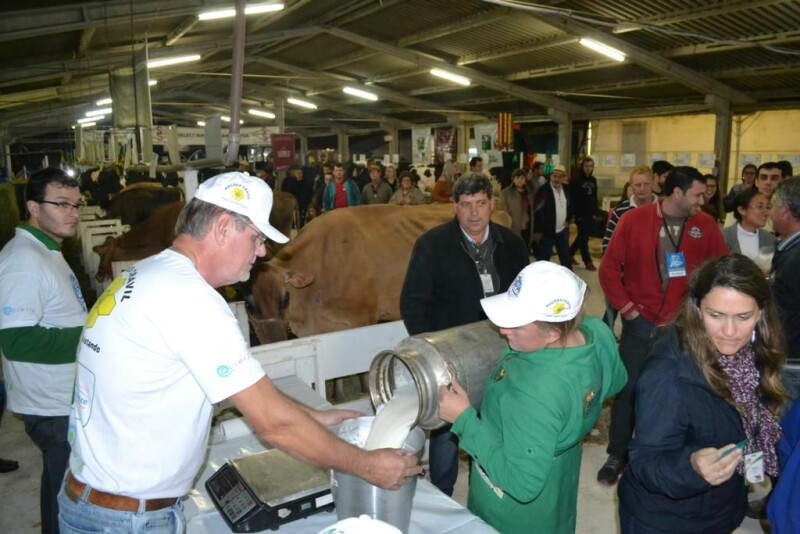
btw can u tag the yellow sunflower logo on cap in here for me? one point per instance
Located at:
(558, 307)
(237, 194)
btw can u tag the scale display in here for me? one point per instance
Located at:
(266, 490)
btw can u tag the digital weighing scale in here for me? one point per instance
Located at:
(265, 490)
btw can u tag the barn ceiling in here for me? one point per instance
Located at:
(521, 57)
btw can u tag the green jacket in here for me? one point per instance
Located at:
(526, 443)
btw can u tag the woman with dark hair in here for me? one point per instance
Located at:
(711, 203)
(706, 407)
(517, 200)
(747, 236)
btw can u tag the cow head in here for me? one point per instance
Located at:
(270, 297)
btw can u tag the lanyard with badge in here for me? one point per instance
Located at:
(480, 263)
(675, 261)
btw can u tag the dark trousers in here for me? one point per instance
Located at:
(443, 459)
(561, 241)
(634, 347)
(610, 317)
(585, 225)
(49, 433)
(630, 525)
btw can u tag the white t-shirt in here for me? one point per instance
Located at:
(37, 287)
(159, 347)
(748, 243)
(561, 208)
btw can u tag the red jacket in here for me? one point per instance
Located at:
(636, 248)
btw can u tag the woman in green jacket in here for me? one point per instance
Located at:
(543, 398)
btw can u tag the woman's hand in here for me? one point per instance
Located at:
(714, 466)
(452, 401)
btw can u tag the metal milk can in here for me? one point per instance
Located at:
(469, 352)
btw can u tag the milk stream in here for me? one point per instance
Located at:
(394, 421)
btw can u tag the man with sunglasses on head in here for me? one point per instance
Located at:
(42, 314)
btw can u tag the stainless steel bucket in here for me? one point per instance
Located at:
(354, 496)
(469, 352)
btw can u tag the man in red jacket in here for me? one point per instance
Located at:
(658, 247)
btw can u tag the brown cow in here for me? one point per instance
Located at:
(345, 269)
(158, 231)
(134, 204)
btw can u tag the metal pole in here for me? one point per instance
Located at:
(239, 28)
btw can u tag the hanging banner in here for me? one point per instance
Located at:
(446, 144)
(421, 146)
(282, 151)
(505, 131)
(486, 139)
(196, 136)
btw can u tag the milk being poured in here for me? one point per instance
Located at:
(394, 421)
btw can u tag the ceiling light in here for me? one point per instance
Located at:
(600, 48)
(153, 64)
(87, 124)
(301, 103)
(201, 123)
(450, 76)
(151, 83)
(361, 94)
(228, 119)
(90, 119)
(248, 10)
(96, 112)
(259, 113)
(103, 102)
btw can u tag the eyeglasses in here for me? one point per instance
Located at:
(259, 239)
(63, 206)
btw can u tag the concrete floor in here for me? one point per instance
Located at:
(19, 508)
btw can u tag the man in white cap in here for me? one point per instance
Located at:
(159, 348)
(544, 396)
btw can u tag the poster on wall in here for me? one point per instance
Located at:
(705, 159)
(486, 139)
(445, 143)
(755, 159)
(282, 151)
(657, 156)
(421, 146)
(682, 159)
(628, 160)
(609, 160)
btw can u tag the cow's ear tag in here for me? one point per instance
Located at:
(299, 280)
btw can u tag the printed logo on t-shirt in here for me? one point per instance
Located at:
(11, 310)
(223, 371)
(695, 232)
(76, 287)
(84, 394)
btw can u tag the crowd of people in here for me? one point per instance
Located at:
(707, 363)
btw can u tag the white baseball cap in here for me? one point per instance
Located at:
(542, 291)
(243, 194)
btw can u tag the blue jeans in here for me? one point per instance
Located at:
(585, 225)
(561, 241)
(85, 518)
(630, 525)
(443, 459)
(791, 382)
(49, 433)
(634, 347)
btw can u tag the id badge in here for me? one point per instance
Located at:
(754, 467)
(676, 264)
(486, 282)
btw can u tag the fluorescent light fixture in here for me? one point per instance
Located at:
(96, 112)
(262, 8)
(87, 124)
(228, 119)
(301, 103)
(103, 102)
(461, 80)
(151, 83)
(600, 48)
(90, 119)
(248, 10)
(366, 95)
(259, 113)
(201, 123)
(163, 62)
